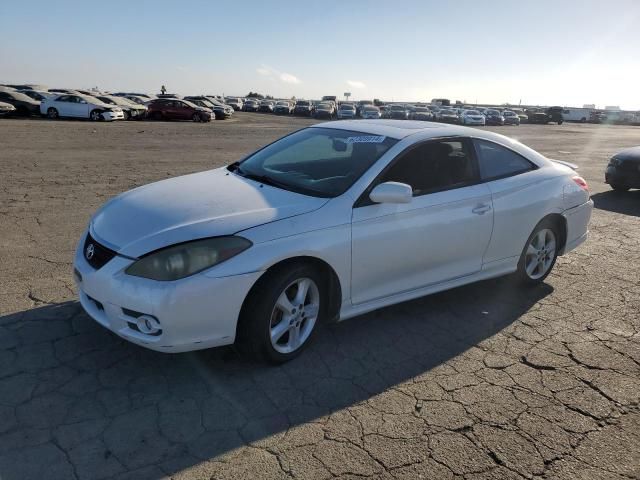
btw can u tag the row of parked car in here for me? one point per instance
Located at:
(28, 100)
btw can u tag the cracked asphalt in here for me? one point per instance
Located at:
(486, 381)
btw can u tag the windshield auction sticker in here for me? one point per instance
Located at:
(366, 139)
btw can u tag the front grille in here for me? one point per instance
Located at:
(95, 254)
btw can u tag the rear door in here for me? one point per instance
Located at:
(440, 235)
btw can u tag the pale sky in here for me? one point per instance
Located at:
(561, 52)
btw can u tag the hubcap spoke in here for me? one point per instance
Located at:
(311, 310)
(279, 330)
(303, 288)
(294, 337)
(540, 254)
(531, 250)
(284, 303)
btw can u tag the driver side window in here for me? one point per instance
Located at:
(434, 166)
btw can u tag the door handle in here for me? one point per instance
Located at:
(481, 209)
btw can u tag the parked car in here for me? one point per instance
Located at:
(361, 106)
(397, 111)
(234, 102)
(493, 117)
(283, 108)
(623, 171)
(221, 111)
(250, 106)
(178, 109)
(80, 106)
(346, 111)
(24, 104)
(472, 117)
(370, 112)
(146, 96)
(131, 109)
(39, 95)
(136, 99)
(304, 107)
(544, 116)
(325, 110)
(421, 113)
(266, 106)
(448, 115)
(226, 263)
(6, 109)
(510, 118)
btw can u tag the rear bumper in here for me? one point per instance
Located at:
(577, 219)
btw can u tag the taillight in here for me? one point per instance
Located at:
(581, 182)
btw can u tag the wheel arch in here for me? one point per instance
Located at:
(560, 223)
(333, 285)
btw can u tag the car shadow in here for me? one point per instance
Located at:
(146, 409)
(626, 203)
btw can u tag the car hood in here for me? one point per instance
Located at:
(200, 205)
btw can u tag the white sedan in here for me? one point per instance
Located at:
(80, 106)
(472, 117)
(327, 223)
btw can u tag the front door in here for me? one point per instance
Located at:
(440, 235)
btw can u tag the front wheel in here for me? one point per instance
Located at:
(52, 113)
(281, 314)
(196, 117)
(95, 115)
(539, 254)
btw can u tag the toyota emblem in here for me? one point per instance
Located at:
(90, 250)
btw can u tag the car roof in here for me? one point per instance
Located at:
(400, 129)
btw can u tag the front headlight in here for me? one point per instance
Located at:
(179, 261)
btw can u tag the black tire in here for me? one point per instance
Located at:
(156, 116)
(196, 117)
(256, 316)
(52, 113)
(95, 115)
(127, 115)
(560, 122)
(521, 274)
(619, 188)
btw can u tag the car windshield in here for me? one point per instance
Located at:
(321, 162)
(422, 109)
(303, 103)
(325, 106)
(347, 107)
(472, 112)
(448, 112)
(493, 112)
(191, 104)
(509, 114)
(371, 109)
(397, 107)
(283, 104)
(107, 100)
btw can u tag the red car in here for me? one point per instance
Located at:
(175, 109)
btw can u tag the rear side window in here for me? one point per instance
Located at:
(496, 161)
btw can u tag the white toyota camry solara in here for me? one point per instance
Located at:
(327, 223)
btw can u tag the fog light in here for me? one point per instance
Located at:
(148, 325)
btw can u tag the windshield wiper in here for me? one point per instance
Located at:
(265, 179)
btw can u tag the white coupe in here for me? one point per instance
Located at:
(79, 106)
(327, 223)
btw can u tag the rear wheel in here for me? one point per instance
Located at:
(539, 254)
(282, 313)
(52, 113)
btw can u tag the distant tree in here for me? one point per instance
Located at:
(269, 97)
(255, 95)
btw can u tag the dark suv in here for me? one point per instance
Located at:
(175, 109)
(544, 116)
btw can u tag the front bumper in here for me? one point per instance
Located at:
(194, 313)
(110, 116)
(627, 177)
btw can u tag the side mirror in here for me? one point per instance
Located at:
(391, 192)
(339, 145)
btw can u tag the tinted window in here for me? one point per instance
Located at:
(5, 95)
(496, 161)
(434, 166)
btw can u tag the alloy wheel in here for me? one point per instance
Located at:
(540, 254)
(294, 315)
